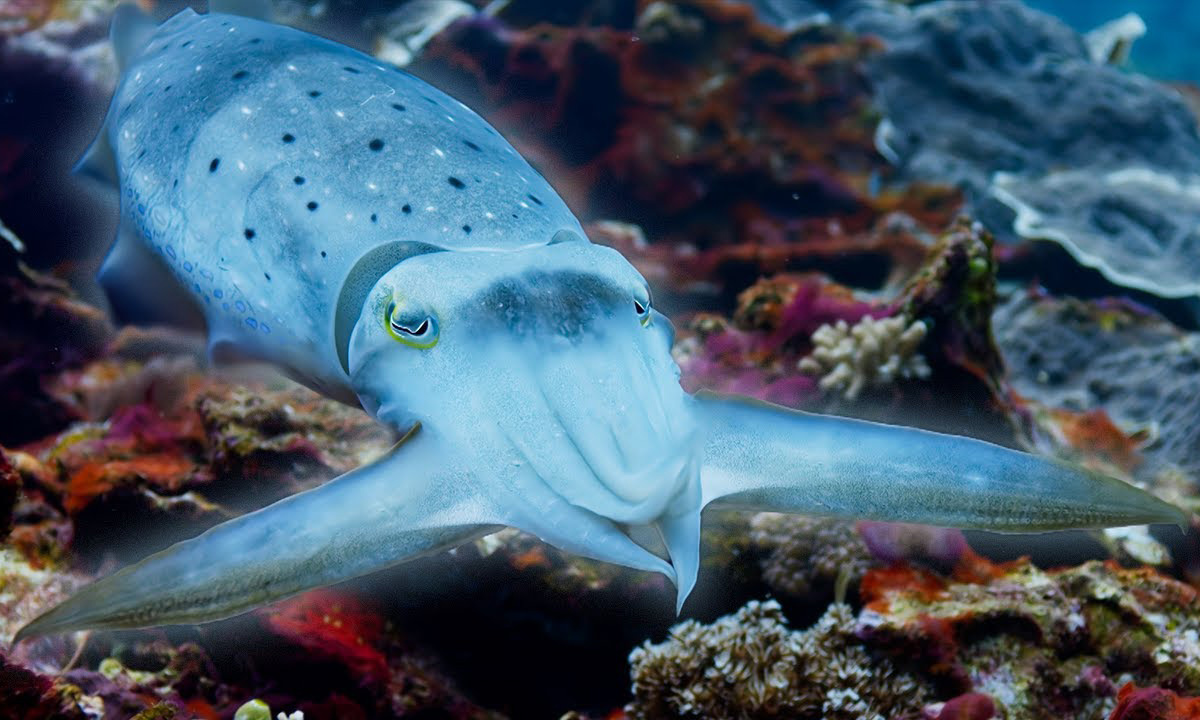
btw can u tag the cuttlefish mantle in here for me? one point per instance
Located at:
(381, 243)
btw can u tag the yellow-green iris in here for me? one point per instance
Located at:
(418, 332)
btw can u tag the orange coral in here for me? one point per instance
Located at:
(1094, 433)
(93, 479)
(880, 583)
(1153, 703)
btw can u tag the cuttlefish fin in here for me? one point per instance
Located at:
(255, 9)
(140, 286)
(413, 501)
(131, 29)
(762, 456)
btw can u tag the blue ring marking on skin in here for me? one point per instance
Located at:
(187, 266)
(218, 293)
(225, 307)
(265, 328)
(170, 251)
(241, 306)
(252, 322)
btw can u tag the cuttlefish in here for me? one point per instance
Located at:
(381, 243)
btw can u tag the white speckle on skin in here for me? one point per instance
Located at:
(293, 68)
(372, 186)
(430, 208)
(241, 165)
(489, 216)
(439, 153)
(340, 114)
(246, 110)
(198, 68)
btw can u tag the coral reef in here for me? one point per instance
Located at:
(760, 350)
(871, 353)
(757, 351)
(805, 557)
(750, 664)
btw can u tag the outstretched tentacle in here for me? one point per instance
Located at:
(411, 502)
(763, 456)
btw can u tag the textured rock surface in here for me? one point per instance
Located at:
(1109, 356)
(1042, 644)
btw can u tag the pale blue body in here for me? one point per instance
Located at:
(534, 381)
(224, 130)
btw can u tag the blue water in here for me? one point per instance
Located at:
(1168, 50)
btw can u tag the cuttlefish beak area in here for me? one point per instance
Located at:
(554, 374)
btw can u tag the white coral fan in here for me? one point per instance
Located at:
(871, 353)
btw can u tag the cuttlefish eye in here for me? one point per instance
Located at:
(642, 308)
(419, 331)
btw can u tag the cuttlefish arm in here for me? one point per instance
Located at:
(420, 498)
(765, 457)
(399, 507)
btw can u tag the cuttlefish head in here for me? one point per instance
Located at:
(550, 359)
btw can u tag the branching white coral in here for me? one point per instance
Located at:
(750, 664)
(871, 353)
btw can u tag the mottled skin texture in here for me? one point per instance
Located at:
(261, 163)
(441, 284)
